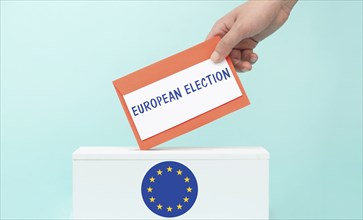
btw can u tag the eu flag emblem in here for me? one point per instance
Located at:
(169, 189)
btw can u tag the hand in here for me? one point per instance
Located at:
(244, 27)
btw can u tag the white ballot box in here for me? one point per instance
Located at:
(180, 183)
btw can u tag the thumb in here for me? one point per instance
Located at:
(225, 45)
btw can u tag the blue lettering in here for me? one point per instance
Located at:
(140, 108)
(226, 73)
(219, 76)
(210, 81)
(171, 96)
(191, 86)
(134, 111)
(153, 103)
(159, 100)
(146, 104)
(177, 93)
(214, 77)
(203, 81)
(165, 98)
(197, 83)
(187, 89)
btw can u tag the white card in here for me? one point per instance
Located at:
(180, 97)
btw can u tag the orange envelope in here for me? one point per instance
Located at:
(178, 94)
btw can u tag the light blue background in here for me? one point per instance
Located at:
(58, 60)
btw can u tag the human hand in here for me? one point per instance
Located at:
(242, 29)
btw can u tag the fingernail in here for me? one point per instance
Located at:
(215, 57)
(244, 70)
(253, 59)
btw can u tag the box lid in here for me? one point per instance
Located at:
(170, 153)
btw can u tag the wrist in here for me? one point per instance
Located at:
(287, 5)
(270, 3)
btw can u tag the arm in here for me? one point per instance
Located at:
(242, 29)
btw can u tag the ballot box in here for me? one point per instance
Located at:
(175, 182)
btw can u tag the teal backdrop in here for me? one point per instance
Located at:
(58, 60)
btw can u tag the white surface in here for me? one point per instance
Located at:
(187, 107)
(133, 153)
(105, 187)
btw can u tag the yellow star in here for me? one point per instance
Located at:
(169, 169)
(179, 172)
(187, 179)
(169, 209)
(159, 172)
(149, 190)
(152, 199)
(186, 199)
(159, 206)
(189, 190)
(152, 180)
(179, 206)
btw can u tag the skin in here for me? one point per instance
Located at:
(245, 26)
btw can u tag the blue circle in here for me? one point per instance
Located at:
(169, 189)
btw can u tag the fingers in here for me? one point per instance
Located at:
(242, 66)
(247, 43)
(243, 59)
(245, 66)
(222, 26)
(225, 45)
(250, 56)
(217, 30)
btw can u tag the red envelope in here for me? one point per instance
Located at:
(158, 117)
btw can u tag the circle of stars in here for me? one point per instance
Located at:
(183, 203)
